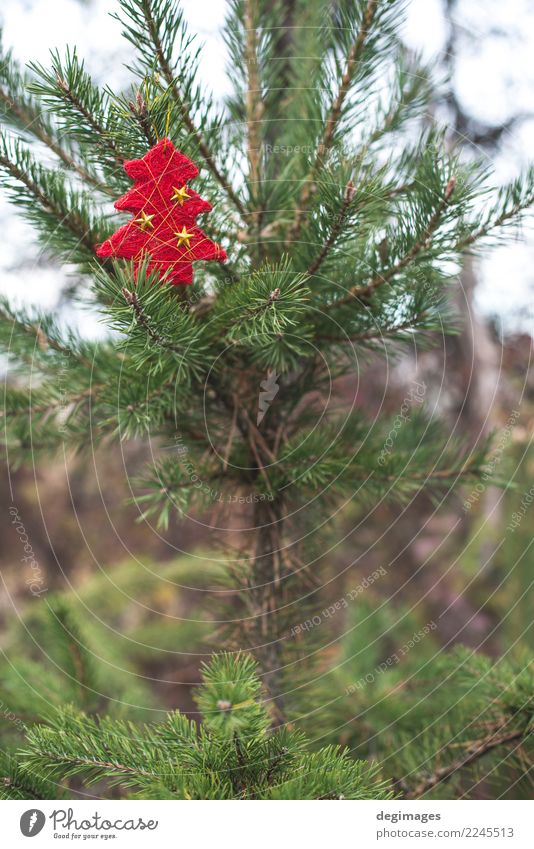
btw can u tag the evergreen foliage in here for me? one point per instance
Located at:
(345, 219)
(439, 722)
(233, 755)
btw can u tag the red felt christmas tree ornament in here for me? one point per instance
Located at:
(163, 228)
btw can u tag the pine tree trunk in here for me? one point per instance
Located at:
(266, 587)
(266, 578)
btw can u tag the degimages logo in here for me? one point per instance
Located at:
(32, 822)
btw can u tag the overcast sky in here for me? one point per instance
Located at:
(494, 80)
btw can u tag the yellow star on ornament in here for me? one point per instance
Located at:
(180, 195)
(145, 221)
(184, 237)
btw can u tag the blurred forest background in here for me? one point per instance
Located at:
(146, 597)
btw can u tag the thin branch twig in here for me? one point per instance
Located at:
(422, 244)
(184, 111)
(254, 105)
(333, 118)
(70, 96)
(492, 225)
(32, 124)
(336, 229)
(18, 174)
(476, 751)
(142, 319)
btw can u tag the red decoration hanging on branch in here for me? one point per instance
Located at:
(165, 212)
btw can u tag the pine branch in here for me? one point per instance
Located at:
(336, 229)
(233, 755)
(254, 106)
(28, 115)
(164, 62)
(416, 327)
(140, 113)
(374, 333)
(48, 405)
(17, 783)
(47, 203)
(76, 764)
(62, 215)
(422, 243)
(494, 740)
(71, 97)
(508, 214)
(260, 314)
(32, 122)
(332, 119)
(352, 60)
(143, 321)
(43, 335)
(256, 311)
(83, 111)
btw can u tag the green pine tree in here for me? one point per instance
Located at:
(345, 217)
